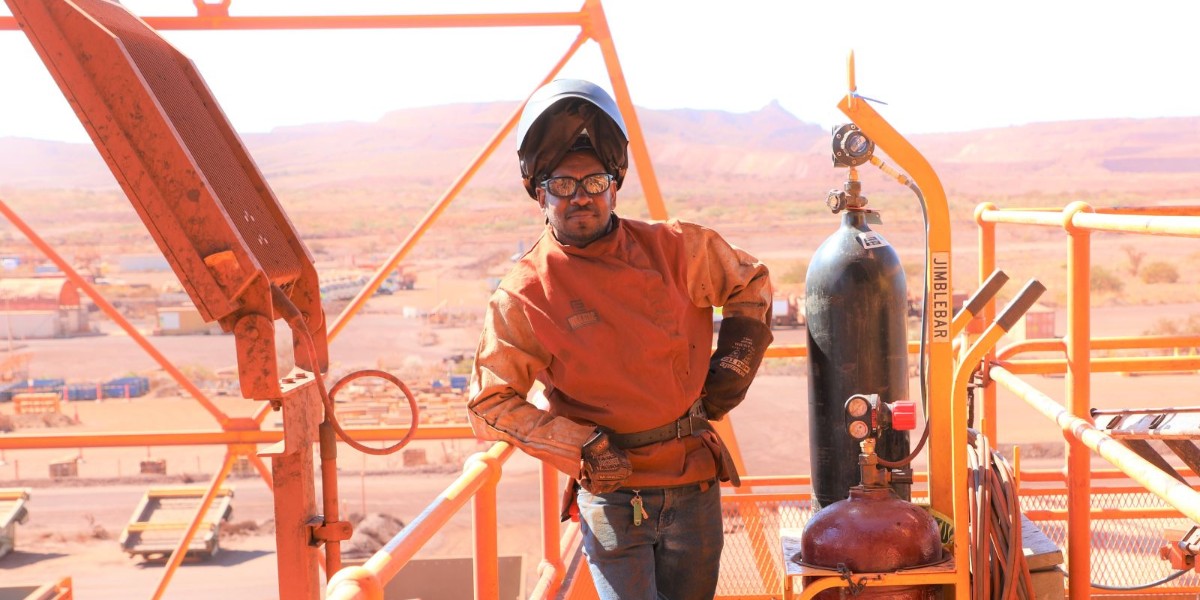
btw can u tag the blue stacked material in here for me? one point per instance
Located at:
(30, 386)
(81, 391)
(125, 387)
(458, 382)
(6, 391)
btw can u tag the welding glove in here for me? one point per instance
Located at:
(605, 466)
(740, 348)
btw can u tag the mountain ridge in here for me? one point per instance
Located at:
(696, 154)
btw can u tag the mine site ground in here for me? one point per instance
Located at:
(74, 522)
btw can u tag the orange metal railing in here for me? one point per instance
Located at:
(483, 471)
(478, 482)
(1079, 220)
(242, 435)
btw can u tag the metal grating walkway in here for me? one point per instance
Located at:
(1124, 551)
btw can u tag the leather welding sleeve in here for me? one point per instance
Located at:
(720, 274)
(507, 362)
(740, 348)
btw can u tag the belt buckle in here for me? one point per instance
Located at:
(679, 432)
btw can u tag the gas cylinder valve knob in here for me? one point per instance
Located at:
(902, 476)
(904, 415)
(836, 201)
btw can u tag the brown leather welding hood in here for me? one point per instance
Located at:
(555, 117)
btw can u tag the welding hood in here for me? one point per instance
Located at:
(556, 115)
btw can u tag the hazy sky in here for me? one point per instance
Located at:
(940, 66)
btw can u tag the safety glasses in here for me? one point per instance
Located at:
(566, 187)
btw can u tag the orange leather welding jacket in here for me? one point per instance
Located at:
(619, 333)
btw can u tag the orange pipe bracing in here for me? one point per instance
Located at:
(440, 206)
(114, 314)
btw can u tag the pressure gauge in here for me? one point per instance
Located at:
(861, 415)
(857, 407)
(851, 147)
(859, 430)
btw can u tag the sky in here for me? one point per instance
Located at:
(939, 65)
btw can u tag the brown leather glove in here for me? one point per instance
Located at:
(740, 348)
(605, 466)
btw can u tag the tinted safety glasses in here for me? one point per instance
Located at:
(566, 187)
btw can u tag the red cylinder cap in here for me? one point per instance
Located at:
(904, 415)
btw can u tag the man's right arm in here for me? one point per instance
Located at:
(507, 361)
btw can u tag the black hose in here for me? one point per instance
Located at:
(996, 550)
(1167, 579)
(922, 352)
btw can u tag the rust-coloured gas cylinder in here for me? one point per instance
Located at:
(872, 531)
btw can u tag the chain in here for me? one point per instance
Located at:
(856, 587)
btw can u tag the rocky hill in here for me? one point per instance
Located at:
(697, 154)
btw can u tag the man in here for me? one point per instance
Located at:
(614, 318)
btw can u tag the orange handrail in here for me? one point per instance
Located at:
(1114, 364)
(1172, 491)
(203, 438)
(551, 570)
(1079, 220)
(480, 473)
(1107, 343)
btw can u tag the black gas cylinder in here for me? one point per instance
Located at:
(855, 305)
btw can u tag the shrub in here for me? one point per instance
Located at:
(1103, 280)
(1165, 326)
(792, 271)
(1160, 272)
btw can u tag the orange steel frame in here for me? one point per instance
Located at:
(1079, 220)
(241, 435)
(947, 461)
(1186, 502)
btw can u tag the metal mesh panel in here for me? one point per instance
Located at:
(1124, 552)
(751, 564)
(188, 110)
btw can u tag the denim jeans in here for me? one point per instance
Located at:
(675, 554)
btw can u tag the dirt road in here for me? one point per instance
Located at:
(73, 530)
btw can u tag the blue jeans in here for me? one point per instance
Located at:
(675, 554)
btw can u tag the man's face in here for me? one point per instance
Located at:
(583, 218)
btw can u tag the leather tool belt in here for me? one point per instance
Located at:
(692, 423)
